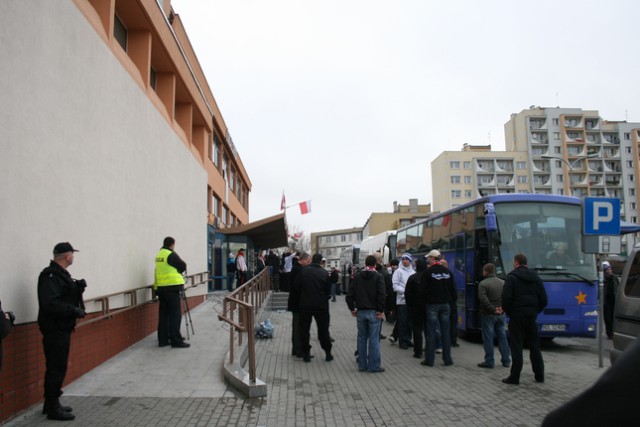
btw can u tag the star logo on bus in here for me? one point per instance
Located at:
(582, 298)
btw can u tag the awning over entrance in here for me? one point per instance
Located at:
(267, 233)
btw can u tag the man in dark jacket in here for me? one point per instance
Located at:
(60, 303)
(312, 284)
(365, 300)
(523, 297)
(417, 306)
(293, 305)
(439, 292)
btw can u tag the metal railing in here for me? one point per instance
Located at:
(239, 311)
(135, 298)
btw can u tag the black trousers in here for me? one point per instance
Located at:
(56, 352)
(169, 315)
(521, 329)
(322, 322)
(418, 319)
(296, 347)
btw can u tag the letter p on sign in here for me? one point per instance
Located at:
(601, 216)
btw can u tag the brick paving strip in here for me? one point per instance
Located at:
(335, 394)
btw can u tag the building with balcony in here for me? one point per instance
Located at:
(379, 222)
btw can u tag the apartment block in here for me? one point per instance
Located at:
(379, 222)
(332, 243)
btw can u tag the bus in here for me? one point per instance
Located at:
(349, 259)
(385, 243)
(545, 227)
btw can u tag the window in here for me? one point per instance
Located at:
(232, 179)
(555, 122)
(522, 179)
(216, 151)
(120, 32)
(557, 150)
(225, 166)
(628, 150)
(630, 178)
(632, 205)
(216, 206)
(455, 179)
(556, 136)
(559, 178)
(467, 179)
(629, 163)
(455, 194)
(521, 165)
(467, 194)
(632, 191)
(466, 165)
(454, 165)
(627, 136)
(225, 215)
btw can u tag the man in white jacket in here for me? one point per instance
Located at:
(399, 281)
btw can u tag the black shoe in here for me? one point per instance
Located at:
(383, 336)
(424, 363)
(307, 358)
(539, 379)
(448, 363)
(332, 340)
(484, 365)
(328, 358)
(60, 415)
(417, 356)
(47, 407)
(164, 344)
(181, 345)
(509, 380)
(355, 353)
(455, 344)
(379, 370)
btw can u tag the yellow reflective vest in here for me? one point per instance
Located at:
(166, 274)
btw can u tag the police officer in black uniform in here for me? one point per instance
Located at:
(60, 302)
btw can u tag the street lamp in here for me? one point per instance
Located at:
(570, 165)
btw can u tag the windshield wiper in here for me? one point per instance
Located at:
(555, 271)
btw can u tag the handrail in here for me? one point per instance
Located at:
(239, 309)
(148, 296)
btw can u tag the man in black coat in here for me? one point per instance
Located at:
(523, 297)
(60, 302)
(293, 305)
(313, 286)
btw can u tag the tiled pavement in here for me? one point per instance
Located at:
(150, 386)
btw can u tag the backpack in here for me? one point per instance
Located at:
(264, 329)
(231, 266)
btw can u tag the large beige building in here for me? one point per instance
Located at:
(459, 177)
(332, 243)
(379, 222)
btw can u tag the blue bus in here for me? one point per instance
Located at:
(546, 228)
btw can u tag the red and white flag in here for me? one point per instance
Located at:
(298, 236)
(283, 203)
(305, 207)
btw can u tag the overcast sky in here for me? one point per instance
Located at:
(346, 103)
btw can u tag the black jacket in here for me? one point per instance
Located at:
(293, 303)
(312, 283)
(523, 293)
(437, 286)
(59, 297)
(367, 292)
(412, 294)
(390, 302)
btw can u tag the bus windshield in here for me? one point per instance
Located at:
(549, 234)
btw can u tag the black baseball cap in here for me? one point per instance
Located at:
(63, 247)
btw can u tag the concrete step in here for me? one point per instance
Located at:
(278, 301)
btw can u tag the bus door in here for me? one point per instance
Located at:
(477, 257)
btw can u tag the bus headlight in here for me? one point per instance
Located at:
(553, 328)
(593, 313)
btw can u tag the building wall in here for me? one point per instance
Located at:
(331, 243)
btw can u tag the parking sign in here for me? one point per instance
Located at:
(601, 216)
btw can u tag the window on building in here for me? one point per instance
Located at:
(632, 205)
(232, 179)
(455, 194)
(467, 179)
(454, 165)
(343, 237)
(225, 166)
(629, 163)
(557, 150)
(225, 215)
(455, 179)
(522, 179)
(153, 78)
(627, 136)
(216, 206)
(120, 32)
(233, 220)
(630, 177)
(466, 165)
(521, 165)
(627, 150)
(556, 136)
(632, 191)
(215, 151)
(560, 178)
(555, 122)
(467, 194)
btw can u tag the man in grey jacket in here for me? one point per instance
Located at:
(492, 317)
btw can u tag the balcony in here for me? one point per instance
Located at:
(537, 123)
(592, 124)
(573, 122)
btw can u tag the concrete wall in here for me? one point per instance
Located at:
(86, 158)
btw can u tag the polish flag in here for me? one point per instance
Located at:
(305, 207)
(283, 203)
(298, 236)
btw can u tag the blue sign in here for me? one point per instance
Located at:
(601, 216)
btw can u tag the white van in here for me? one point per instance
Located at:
(626, 314)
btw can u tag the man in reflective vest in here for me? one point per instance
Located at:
(169, 283)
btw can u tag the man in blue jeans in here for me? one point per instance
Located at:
(492, 317)
(438, 292)
(365, 300)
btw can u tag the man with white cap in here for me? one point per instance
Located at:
(399, 280)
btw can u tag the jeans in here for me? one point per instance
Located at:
(494, 326)
(404, 325)
(333, 291)
(231, 277)
(438, 313)
(368, 341)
